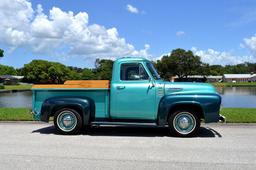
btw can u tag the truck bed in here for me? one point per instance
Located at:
(98, 90)
(74, 84)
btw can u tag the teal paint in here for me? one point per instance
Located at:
(139, 99)
(98, 96)
(136, 100)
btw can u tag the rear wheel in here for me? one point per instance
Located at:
(67, 121)
(184, 123)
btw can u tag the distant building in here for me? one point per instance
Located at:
(239, 78)
(10, 79)
(191, 78)
(198, 78)
(225, 78)
(253, 78)
(214, 78)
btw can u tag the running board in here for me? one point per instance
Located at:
(124, 124)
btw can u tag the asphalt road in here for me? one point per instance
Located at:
(36, 146)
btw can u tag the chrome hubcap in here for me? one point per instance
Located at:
(184, 123)
(66, 121)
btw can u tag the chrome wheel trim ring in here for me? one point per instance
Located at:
(66, 121)
(184, 123)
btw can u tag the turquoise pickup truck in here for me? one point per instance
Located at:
(136, 96)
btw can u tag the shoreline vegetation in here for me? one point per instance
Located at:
(15, 87)
(233, 115)
(238, 84)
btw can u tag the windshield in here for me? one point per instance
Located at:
(153, 71)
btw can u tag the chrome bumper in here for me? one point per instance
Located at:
(36, 116)
(222, 119)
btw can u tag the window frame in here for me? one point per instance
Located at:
(149, 63)
(139, 63)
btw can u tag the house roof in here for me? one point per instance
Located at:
(11, 77)
(214, 77)
(239, 75)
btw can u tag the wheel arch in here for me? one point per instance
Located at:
(189, 106)
(168, 104)
(84, 106)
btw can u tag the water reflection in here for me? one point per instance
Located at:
(16, 99)
(237, 90)
(238, 97)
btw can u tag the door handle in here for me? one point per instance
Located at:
(120, 87)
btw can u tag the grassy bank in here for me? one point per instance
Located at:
(239, 84)
(15, 114)
(239, 115)
(17, 87)
(233, 115)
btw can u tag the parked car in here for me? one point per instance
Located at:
(135, 96)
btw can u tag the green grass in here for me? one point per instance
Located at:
(239, 115)
(15, 114)
(233, 115)
(17, 87)
(239, 84)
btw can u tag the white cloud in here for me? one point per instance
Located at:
(68, 32)
(132, 9)
(250, 43)
(180, 33)
(212, 56)
(143, 52)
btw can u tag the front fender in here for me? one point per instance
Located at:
(85, 106)
(209, 104)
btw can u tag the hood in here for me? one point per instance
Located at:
(188, 88)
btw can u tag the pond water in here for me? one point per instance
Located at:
(238, 96)
(16, 99)
(231, 97)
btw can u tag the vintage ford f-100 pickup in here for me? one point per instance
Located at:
(135, 96)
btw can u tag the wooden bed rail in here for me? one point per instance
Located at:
(76, 84)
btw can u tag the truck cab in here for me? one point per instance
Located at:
(135, 96)
(133, 90)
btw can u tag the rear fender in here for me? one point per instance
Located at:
(85, 106)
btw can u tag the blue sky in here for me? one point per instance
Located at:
(221, 32)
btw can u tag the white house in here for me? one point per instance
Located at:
(239, 77)
(10, 79)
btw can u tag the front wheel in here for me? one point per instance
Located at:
(67, 121)
(184, 123)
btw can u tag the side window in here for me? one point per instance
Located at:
(133, 71)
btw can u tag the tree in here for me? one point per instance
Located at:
(103, 70)
(88, 74)
(216, 70)
(40, 71)
(180, 62)
(163, 67)
(1, 52)
(58, 73)
(7, 70)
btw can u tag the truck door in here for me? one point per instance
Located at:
(133, 96)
